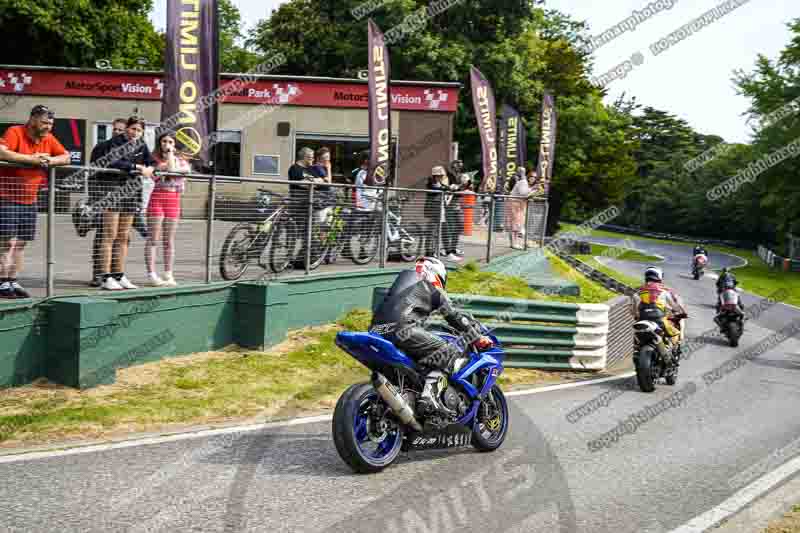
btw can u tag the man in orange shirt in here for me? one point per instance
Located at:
(31, 144)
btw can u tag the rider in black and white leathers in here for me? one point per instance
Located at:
(401, 316)
(411, 300)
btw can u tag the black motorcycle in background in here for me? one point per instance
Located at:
(730, 315)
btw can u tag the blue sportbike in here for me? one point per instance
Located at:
(373, 422)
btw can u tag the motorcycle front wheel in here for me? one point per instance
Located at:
(368, 443)
(491, 426)
(645, 369)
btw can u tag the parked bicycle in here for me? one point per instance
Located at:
(403, 239)
(247, 242)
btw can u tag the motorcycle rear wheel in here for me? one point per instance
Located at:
(354, 431)
(733, 334)
(496, 427)
(645, 369)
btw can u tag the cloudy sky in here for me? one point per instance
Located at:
(691, 79)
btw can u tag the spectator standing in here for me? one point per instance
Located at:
(95, 195)
(364, 202)
(454, 222)
(300, 175)
(128, 153)
(324, 196)
(30, 144)
(164, 210)
(437, 184)
(515, 212)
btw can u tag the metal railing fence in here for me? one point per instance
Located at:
(201, 228)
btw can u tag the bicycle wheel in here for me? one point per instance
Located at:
(409, 251)
(285, 245)
(234, 259)
(364, 244)
(319, 245)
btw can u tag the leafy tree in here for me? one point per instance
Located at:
(233, 57)
(520, 47)
(771, 86)
(78, 33)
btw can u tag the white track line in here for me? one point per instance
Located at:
(33, 456)
(741, 499)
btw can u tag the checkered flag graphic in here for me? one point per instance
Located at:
(285, 94)
(436, 98)
(18, 82)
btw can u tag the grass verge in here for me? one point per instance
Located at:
(617, 275)
(788, 523)
(471, 280)
(303, 375)
(623, 254)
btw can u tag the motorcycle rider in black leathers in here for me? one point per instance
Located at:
(413, 297)
(699, 249)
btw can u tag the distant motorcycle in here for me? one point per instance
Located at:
(651, 356)
(699, 266)
(730, 317)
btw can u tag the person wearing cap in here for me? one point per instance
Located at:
(437, 183)
(34, 146)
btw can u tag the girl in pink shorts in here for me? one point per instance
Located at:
(164, 210)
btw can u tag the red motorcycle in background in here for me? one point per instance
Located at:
(699, 265)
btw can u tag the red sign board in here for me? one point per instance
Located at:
(148, 87)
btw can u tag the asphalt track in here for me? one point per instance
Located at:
(688, 459)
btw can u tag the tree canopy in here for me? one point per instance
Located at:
(78, 33)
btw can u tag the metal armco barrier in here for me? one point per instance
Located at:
(619, 346)
(776, 261)
(600, 277)
(669, 236)
(547, 335)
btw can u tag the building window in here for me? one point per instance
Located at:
(267, 165)
(344, 151)
(229, 153)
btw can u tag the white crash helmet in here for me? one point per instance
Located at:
(433, 270)
(653, 274)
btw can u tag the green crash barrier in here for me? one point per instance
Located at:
(533, 333)
(82, 341)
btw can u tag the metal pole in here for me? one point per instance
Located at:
(384, 227)
(309, 221)
(439, 227)
(544, 228)
(525, 228)
(491, 230)
(51, 231)
(212, 210)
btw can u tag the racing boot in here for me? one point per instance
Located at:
(429, 401)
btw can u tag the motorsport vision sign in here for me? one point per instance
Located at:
(191, 72)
